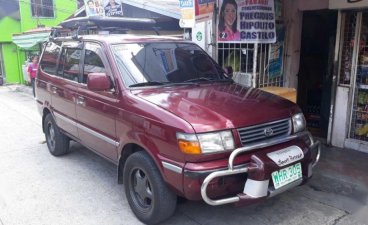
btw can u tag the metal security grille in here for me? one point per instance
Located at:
(264, 131)
(250, 63)
(347, 47)
(359, 118)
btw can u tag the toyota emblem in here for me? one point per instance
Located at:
(268, 132)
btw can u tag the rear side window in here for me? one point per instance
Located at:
(49, 58)
(92, 61)
(69, 64)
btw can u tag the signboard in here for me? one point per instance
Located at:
(275, 66)
(167, 58)
(247, 21)
(187, 11)
(94, 7)
(204, 10)
(111, 8)
(347, 4)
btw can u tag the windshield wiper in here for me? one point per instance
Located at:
(162, 84)
(208, 79)
(199, 79)
(148, 83)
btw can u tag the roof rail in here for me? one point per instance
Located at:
(113, 24)
(106, 22)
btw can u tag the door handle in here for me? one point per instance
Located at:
(80, 100)
(54, 90)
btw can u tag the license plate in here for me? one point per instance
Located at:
(287, 175)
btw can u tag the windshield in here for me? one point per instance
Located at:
(151, 64)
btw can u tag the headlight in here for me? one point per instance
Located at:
(299, 123)
(206, 142)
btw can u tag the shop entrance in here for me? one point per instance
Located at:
(316, 64)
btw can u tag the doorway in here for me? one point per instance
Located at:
(316, 69)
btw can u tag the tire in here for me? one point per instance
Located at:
(57, 142)
(149, 198)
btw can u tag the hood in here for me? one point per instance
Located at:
(210, 107)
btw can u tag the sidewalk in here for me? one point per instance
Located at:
(20, 88)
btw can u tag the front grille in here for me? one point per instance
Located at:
(264, 131)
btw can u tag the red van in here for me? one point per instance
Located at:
(172, 121)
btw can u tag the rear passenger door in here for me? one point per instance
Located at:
(96, 111)
(64, 88)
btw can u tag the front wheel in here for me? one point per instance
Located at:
(148, 196)
(57, 142)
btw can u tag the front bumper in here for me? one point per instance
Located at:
(258, 183)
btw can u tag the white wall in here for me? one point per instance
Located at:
(293, 20)
(341, 117)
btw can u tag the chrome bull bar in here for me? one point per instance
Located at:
(232, 171)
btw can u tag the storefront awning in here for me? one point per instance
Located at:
(27, 41)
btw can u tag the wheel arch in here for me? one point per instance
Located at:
(45, 112)
(128, 150)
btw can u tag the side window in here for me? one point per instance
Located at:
(49, 58)
(92, 61)
(69, 64)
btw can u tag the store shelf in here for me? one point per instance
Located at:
(363, 86)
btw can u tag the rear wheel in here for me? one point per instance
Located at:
(57, 142)
(148, 196)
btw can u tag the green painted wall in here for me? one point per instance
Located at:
(62, 10)
(11, 63)
(14, 57)
(8, 26)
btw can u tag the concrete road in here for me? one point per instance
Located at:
(81, 188)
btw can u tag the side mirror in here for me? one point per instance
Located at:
(229, 71)
(98, 82)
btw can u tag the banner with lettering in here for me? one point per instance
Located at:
(94, 8)
(113, 8)
(204, 10)
(110, 8)
(187, 12)
(246, 21)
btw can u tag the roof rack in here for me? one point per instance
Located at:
(87, 25)
(105, 22)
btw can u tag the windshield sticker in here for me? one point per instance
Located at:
(167, 58)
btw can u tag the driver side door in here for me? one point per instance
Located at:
(96, 110)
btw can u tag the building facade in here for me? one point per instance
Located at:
(21, 16)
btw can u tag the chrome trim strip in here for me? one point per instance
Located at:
(172, 167)
(98, 135)
(65, 119)
(92, 132)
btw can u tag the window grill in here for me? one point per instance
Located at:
(42, 8)
(359, 117)
(250, 63)
(347, 47)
